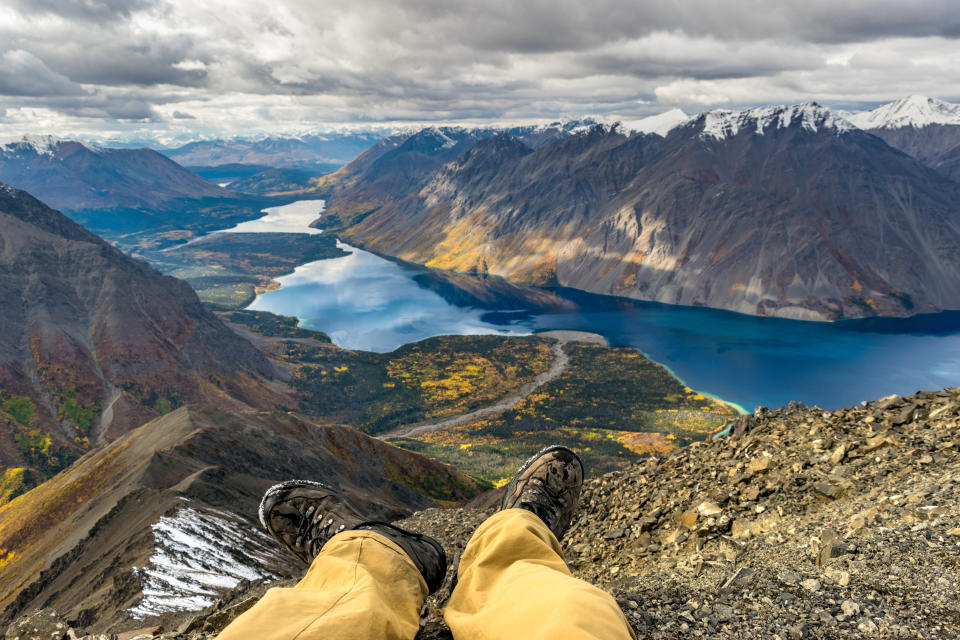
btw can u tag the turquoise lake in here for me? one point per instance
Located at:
(366, 302)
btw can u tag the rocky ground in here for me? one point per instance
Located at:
(807, 524)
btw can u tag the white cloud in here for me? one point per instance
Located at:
(261, 64)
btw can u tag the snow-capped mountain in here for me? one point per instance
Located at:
(40, 145)
(701, 217)
(913, 111)
(926, 128)
(722, 123)
(660, 124)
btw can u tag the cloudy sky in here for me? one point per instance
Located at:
(179, 68)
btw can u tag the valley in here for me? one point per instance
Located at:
(366, 302)
(486, 403)
(434, 315)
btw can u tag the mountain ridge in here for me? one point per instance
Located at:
(679, 219)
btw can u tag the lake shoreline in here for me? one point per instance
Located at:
(741, 360)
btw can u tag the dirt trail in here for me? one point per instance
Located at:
(106, 417)
(557, 367)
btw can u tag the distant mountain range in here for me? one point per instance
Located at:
(116, 192)
(276, 151)
(783, 211)
(94, 343)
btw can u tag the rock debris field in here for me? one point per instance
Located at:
(804, 524)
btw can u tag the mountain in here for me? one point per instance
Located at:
(660, 124)
(118, 191)
(276, 151)
(397, 165)
(277, 182)
(540, 135)
(402, 161)
(164, 518)
(94, 343)
(913, 111)
(704, 216)
(926, 128)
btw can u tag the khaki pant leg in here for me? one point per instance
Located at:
(514, 585)
(361, 586)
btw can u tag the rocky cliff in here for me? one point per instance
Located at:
(785, 211)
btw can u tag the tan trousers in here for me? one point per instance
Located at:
(513, 584)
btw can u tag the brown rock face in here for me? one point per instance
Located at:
(804, 220)
(93, 343)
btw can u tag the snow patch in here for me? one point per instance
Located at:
(722, 123)
(198, 555)
(660, 124)
(439, 137)
(41, 145)
(913, 111)
(38, 144)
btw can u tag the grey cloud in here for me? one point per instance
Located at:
(83, 9)
(119, 109)
(454, 59)
(118, 61)
(23, 74)
(546, 26)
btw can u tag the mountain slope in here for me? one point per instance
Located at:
(93, 343)
(118, 191)
(927, 129)
(164, 518)
(702, 217)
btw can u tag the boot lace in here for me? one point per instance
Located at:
(538, 498)
(316, 528)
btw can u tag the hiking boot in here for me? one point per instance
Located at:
(548, 484)
(303, 515)
(426, 552)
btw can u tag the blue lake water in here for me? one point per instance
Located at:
(366, 302)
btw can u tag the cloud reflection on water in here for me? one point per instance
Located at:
(365, 302)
